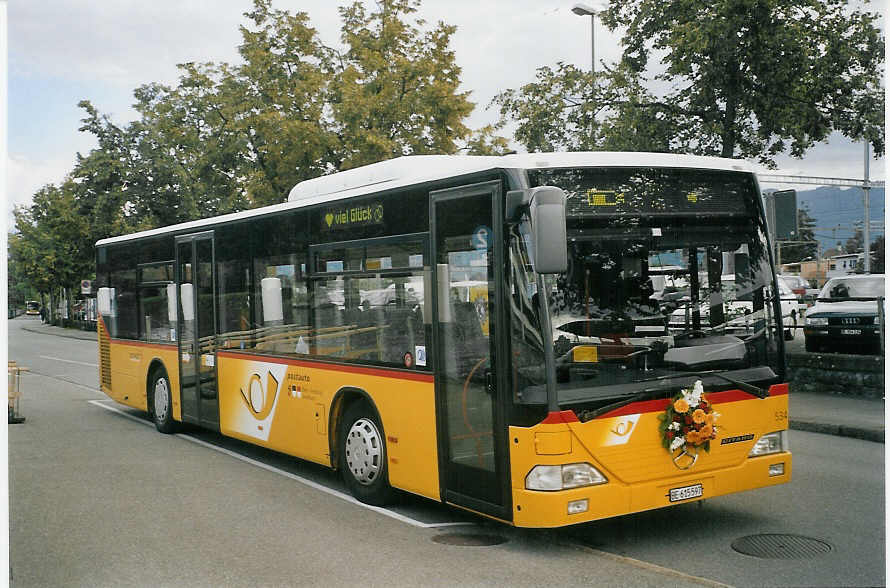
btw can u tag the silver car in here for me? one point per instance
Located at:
(846, 314)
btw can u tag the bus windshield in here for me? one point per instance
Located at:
(668, 278)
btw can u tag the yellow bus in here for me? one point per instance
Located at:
(32, 307)
(496, 333)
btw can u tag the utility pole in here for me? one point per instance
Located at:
(866, 230)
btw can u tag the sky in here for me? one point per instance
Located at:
(64, 51)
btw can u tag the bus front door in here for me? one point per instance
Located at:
(197, 328)
(465, 224)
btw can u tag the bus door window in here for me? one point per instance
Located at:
(465, 275)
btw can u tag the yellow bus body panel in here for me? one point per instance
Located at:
(627, 449)
(130, 362)
(285, 405)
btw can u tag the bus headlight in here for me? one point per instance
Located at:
(562, 477)
(817, 321)
(770, 443)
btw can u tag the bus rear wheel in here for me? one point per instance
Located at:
(161, 401)
(363, 460)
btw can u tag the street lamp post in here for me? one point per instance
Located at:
(584, 10)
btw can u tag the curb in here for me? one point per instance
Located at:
(875, 435)
(86, 336)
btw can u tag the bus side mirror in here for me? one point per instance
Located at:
(547, 208)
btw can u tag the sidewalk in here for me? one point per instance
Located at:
(36, 326)
(835, 414)
(830, 414)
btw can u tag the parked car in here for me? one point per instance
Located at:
(843, 317)
(789, 301)
(797, 284)
(738, 310)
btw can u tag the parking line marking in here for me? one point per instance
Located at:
(267, 467)
(69, 361)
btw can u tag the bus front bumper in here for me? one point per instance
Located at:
(552, 509)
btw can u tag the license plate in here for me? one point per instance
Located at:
(686, 492)
(851, 331)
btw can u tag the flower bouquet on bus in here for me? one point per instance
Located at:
(688, 424)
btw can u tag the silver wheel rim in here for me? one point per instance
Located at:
(364, 451)
(162, 393)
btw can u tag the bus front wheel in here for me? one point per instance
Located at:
(161, 402)
(363, 457)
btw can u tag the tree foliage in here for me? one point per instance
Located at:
(740, 78)
(48, 248)
(567, 109)
(878, 250)
(801, 251)
(228, 137)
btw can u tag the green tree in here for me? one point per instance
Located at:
(226, 138)
(877, 255)
(18, 286)
(102, 181)
(565, 110)
(279, 105)
(741, 78)
(189, 150)
(754, 78)
(395, 87)
(855, 243)
(47, 247)
(486, 141)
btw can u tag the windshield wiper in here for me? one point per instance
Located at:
(743, 386)
(647, 394)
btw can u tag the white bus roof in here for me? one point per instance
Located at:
(416, 169)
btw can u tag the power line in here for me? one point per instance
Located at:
(822, 181)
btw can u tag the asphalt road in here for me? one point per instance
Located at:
(99, 498)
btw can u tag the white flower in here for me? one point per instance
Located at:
(675, 426)
(693, 397)
(677, 442)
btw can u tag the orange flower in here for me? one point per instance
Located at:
(707, 431)
(698, 417)
(711, 419)
(680, 405)
(693, 437)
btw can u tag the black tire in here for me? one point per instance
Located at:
(363, 459)
(811, 345)
(160, 402)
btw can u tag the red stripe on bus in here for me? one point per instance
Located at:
(352, 369)
(166, 346)
(563, 416)
(713, 397)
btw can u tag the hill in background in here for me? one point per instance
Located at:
(839, 208)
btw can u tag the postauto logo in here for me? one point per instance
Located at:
(260, 401)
